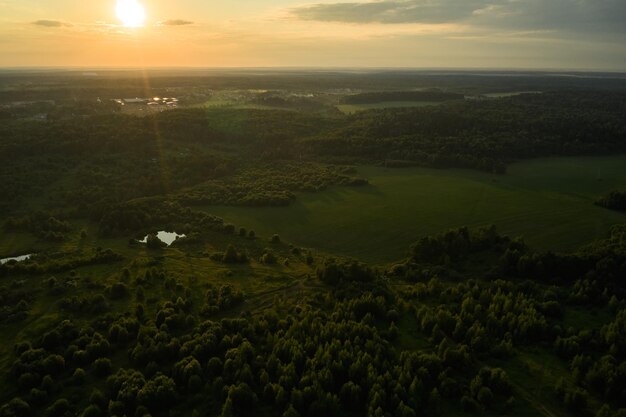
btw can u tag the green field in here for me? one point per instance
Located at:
(354, 108)
(547, 201)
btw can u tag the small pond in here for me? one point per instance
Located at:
(166, 237)
(16, 258)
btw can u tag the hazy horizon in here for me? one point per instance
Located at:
(435, 70)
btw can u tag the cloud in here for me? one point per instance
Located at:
(176, 22)
(391, 11)
(586, 16)
(51, 23)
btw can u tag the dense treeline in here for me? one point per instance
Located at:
(44, 225)
(60, 261)
(615, 200)
(95, 163)
(485, 134)
(270, 185)
(330, 360)
(142, 215)
(73, 85)
(455, 252)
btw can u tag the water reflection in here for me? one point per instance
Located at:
(166, 237)
(16, 259)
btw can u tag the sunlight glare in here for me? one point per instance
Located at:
(131, 13)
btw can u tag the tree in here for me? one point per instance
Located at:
(58, 408)
(291, 412)
(153, 242)
(16, 408)
(604, 411)
(268, 258)
(485, 397)
(103, 366)
(227, 408)
(78, 376)
(243, 398)
(92, 411)
(158, 393)
(404, 411)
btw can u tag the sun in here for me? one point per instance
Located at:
(131, 13)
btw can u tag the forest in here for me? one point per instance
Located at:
(99, 317)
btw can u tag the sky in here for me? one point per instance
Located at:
(504, 34)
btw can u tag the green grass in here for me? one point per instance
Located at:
(409, 337)
(354, 108)
(581, 318)
(547, 201)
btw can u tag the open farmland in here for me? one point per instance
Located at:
(547, 201)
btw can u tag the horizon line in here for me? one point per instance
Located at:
(531, 70)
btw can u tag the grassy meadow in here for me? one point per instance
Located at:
(547, 201)
(354, 108)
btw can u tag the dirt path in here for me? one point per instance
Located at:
(528, 397)
(524, 394)
(265, 299)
